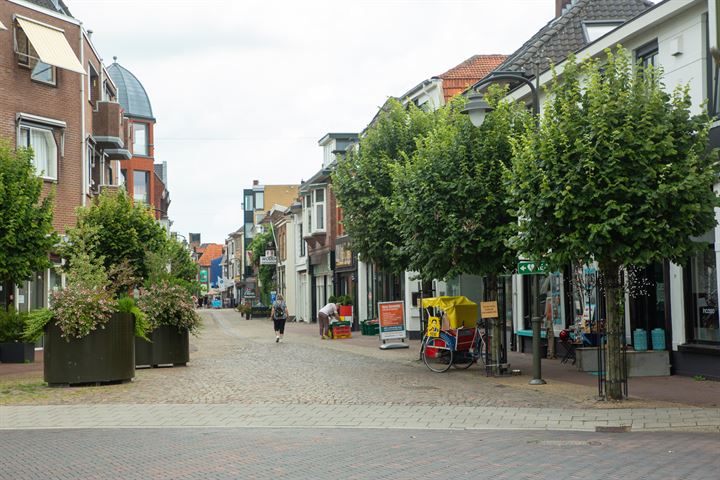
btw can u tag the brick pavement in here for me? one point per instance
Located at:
(238, 376)
(263, 453)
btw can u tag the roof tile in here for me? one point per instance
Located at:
(212, 251)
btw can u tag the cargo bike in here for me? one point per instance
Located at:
(455, 336)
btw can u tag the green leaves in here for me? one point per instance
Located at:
(115, 230)
(363, 184)
(450, 200)
(26, 231)
(618, 171)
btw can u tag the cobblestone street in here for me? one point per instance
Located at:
(237, 361)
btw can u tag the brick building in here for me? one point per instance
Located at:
(57, 97)
(144, 180)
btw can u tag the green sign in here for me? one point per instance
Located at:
(203, 276)
(203, 288)
(526, 267)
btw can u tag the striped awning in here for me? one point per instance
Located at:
(50, 44)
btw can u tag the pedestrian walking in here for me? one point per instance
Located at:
(329, 310)
(279, 314)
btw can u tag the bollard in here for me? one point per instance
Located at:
(537, 376)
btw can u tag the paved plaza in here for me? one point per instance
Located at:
(239, 377)
(266, 453)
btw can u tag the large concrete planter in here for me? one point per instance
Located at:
(104, 356)
(17, 352)
(168, 346)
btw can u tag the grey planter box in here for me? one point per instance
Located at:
(651, 363)
(104, 356)
(168, 346)
(17, 352)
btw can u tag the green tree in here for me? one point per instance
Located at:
(619, 173)
(171, 263)
(120, 231)
(362, 183)
(262, 242)
(450, 201)
(26, 231)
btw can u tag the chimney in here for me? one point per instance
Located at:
(256, 182)
(559, 5)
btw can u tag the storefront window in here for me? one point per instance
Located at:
(701, 287)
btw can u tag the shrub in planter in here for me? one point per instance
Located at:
(87, 338)
(13, 346)
(171, 318)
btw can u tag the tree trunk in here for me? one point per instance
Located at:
(495, 329)
(613, 328)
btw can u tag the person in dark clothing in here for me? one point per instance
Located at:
(279, 314)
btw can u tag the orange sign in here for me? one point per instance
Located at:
(391, 319)
(489, 309)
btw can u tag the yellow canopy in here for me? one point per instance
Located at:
(460, 310)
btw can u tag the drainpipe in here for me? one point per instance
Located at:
(83, 149)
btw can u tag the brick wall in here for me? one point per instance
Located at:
(18, 93)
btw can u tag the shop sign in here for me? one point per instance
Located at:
(489, 309)
(526, 267)
(266, 260)
(203, 276)
(204, 288)
(249, 293)
(391, 320)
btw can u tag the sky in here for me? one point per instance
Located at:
(243, 90)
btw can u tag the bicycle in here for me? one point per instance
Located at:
(459, 348)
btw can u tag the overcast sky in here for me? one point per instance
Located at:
(244, 89)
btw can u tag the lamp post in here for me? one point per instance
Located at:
(477, 108)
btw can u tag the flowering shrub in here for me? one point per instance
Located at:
(79, 309)
(166, 304)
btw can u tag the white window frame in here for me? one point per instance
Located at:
(319, 210)
(146, 153)
(52, 161)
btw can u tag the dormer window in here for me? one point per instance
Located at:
(598, 28)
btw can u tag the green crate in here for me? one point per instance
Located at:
(369, 328)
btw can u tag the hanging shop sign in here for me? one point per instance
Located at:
(526, 267)
(267, 260)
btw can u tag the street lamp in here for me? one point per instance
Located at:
(477, 109)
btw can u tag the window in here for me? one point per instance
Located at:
(596, 29)
(701, 288)
(123, 177)
(140, 139)
(319, 210)
(249, 204)
(301, 248)
(93, 84)
(28, 57)
(141, 186)
(44, 148)
(259, 200)
(647, 55)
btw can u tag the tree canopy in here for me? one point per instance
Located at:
(450, 200)
(619, 170)
(121, 231)
(363, 184)
(26, 231)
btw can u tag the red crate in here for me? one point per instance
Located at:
(342, 331)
